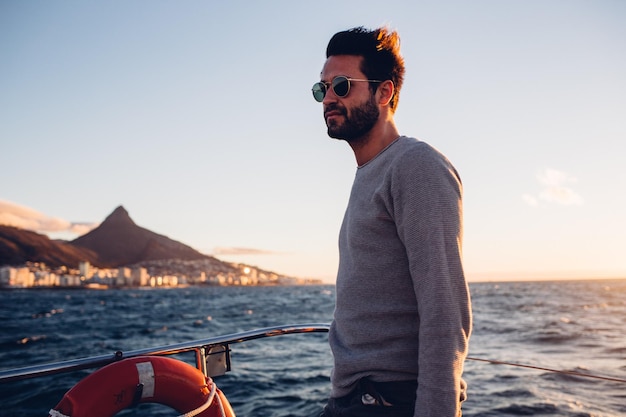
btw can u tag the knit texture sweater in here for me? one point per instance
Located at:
(403, 308)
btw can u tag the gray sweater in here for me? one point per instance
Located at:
(403, 307)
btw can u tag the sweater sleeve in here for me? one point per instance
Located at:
(428, 215)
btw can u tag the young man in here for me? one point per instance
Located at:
(403, 317)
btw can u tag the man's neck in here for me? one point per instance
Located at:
(377, 139)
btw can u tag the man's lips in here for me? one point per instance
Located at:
(332, 113)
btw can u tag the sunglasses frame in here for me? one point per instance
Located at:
(322, 87)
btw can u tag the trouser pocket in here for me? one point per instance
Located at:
(375, 399)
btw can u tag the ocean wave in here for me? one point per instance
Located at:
(523, 323)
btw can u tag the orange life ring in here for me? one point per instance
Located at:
(144, 379)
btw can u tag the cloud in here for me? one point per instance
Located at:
(530, 200)
(554, 189)
(240, 251)
(12, 214)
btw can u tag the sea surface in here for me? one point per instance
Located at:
(577, 326)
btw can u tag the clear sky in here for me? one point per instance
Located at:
(197, 117)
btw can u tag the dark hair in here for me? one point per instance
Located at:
(380, 49)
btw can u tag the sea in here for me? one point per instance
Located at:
(526, 334)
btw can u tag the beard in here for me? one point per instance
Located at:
(355, 126)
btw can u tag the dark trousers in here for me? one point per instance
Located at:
(375, 399)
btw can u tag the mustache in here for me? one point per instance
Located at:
(334, 107)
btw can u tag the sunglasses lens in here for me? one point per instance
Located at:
(319, 91)
(341, 86)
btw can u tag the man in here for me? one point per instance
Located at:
(402, 319)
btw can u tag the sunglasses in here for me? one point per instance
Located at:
(339, 84)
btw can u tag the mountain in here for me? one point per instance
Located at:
(19, 246)
(118, 241)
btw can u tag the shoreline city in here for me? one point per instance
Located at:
(170, 273)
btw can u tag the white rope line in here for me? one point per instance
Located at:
(574, 373)
(204, 406)
(221, 407)
(55, 413)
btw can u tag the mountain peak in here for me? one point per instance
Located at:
(119, 216)
(119, 241)
(120, 210)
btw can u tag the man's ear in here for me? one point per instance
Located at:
(386, 90)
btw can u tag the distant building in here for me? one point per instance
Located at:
(139, 277)
(85, 269)
(46, 279)
(124, 276)
(67, 280)
(16, 277)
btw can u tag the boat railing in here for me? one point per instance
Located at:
(212, 354)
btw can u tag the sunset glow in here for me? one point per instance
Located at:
(198, 118)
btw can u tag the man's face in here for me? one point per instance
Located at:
(351, 117)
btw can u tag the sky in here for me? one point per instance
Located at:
(198, 118)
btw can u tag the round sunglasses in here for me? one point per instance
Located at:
(340, 85)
